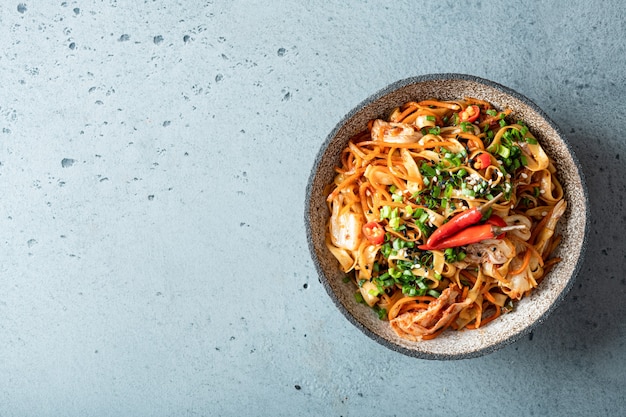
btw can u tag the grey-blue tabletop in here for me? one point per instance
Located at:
(153, 163)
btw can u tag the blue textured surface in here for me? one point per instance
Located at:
(153, 162)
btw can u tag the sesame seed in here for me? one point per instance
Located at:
(544, 213)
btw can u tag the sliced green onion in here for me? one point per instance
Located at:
(503, 151)
(385, 212)
(359, 297)
(469, 192)
(523, 160)
(434, 293)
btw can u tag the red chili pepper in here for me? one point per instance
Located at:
(470, 114)
(475, 234)
(496, 220)
(374, 232)
(482, 160)
(459, 222)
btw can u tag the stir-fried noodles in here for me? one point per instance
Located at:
(443, 215)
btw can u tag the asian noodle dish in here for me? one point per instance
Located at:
(443, 215)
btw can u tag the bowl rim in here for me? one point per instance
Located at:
(402, 83)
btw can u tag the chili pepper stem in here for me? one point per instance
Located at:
(497, 230)
(485, 207)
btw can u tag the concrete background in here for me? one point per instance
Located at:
(153, 162)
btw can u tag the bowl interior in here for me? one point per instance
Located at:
(531, 310)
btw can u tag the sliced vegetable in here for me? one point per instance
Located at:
(482, 160)
(374, 232)
(470, 114)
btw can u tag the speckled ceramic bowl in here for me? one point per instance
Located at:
(529, 312)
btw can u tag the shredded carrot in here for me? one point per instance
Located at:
(493, 316)
(469, 276)
(437, 333)
(549, 264)
(437, 103)
(345, 183)
(410, 109)
(489, 297)
(534, 251)
(364, 189)
(524, 264)
(472, 100)
(473, 139)
(428, 145)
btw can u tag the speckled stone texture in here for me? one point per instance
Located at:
(154, 158)
(573, 226)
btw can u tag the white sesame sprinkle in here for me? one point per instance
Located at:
(542, 191)
(544, 213)
(524, 175)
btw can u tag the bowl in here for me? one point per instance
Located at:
(529, 312)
